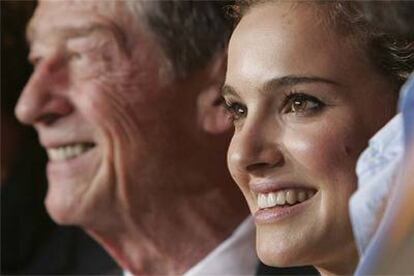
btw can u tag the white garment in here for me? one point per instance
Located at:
(387, 247)
(377, 169)
(235, 256)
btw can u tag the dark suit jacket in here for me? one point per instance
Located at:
(263, 269)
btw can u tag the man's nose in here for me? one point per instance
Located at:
(256, 149)
(44, 98)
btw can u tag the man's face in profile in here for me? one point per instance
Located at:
(111, 122)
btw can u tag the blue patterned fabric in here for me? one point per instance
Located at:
(378, 169)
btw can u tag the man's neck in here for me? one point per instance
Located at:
(173, 242)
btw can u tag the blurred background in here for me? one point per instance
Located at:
(31, 243)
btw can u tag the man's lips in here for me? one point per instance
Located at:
(71, 161)
(68, 151)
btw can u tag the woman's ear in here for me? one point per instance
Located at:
(212, 115)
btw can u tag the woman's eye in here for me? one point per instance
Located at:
(236, 110)
(302, 103)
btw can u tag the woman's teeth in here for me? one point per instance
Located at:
(68, 152)
(281, 198)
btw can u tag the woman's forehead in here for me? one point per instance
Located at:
(269, 39)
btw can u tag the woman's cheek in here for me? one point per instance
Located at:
(322, 150)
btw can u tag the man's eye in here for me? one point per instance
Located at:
(301, 103)
(236, 110)
(73, 56)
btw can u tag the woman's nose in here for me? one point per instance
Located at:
(255, 149)
(43, 99)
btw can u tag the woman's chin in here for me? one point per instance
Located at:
(277, 256)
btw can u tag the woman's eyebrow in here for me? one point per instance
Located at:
(292, 80)
(228, 90)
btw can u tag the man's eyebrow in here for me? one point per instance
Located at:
(73, 32)
(30, 33)
(67, 32)
(292, 80)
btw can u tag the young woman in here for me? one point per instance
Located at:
(308, 83)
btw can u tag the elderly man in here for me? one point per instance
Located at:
(125, 99)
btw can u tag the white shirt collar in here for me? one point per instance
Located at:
(235, 256)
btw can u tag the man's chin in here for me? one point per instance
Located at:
(62, 206)
(59, 214)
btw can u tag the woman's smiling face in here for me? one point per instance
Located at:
(304, 101)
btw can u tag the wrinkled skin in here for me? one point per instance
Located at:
(81, 91)
(101, 78)
(311, 141)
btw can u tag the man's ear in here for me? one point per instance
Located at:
(211, 112)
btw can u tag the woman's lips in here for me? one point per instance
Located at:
(282, 204)
(284, 197)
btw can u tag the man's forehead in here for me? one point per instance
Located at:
(95, 5)
(69, 15)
